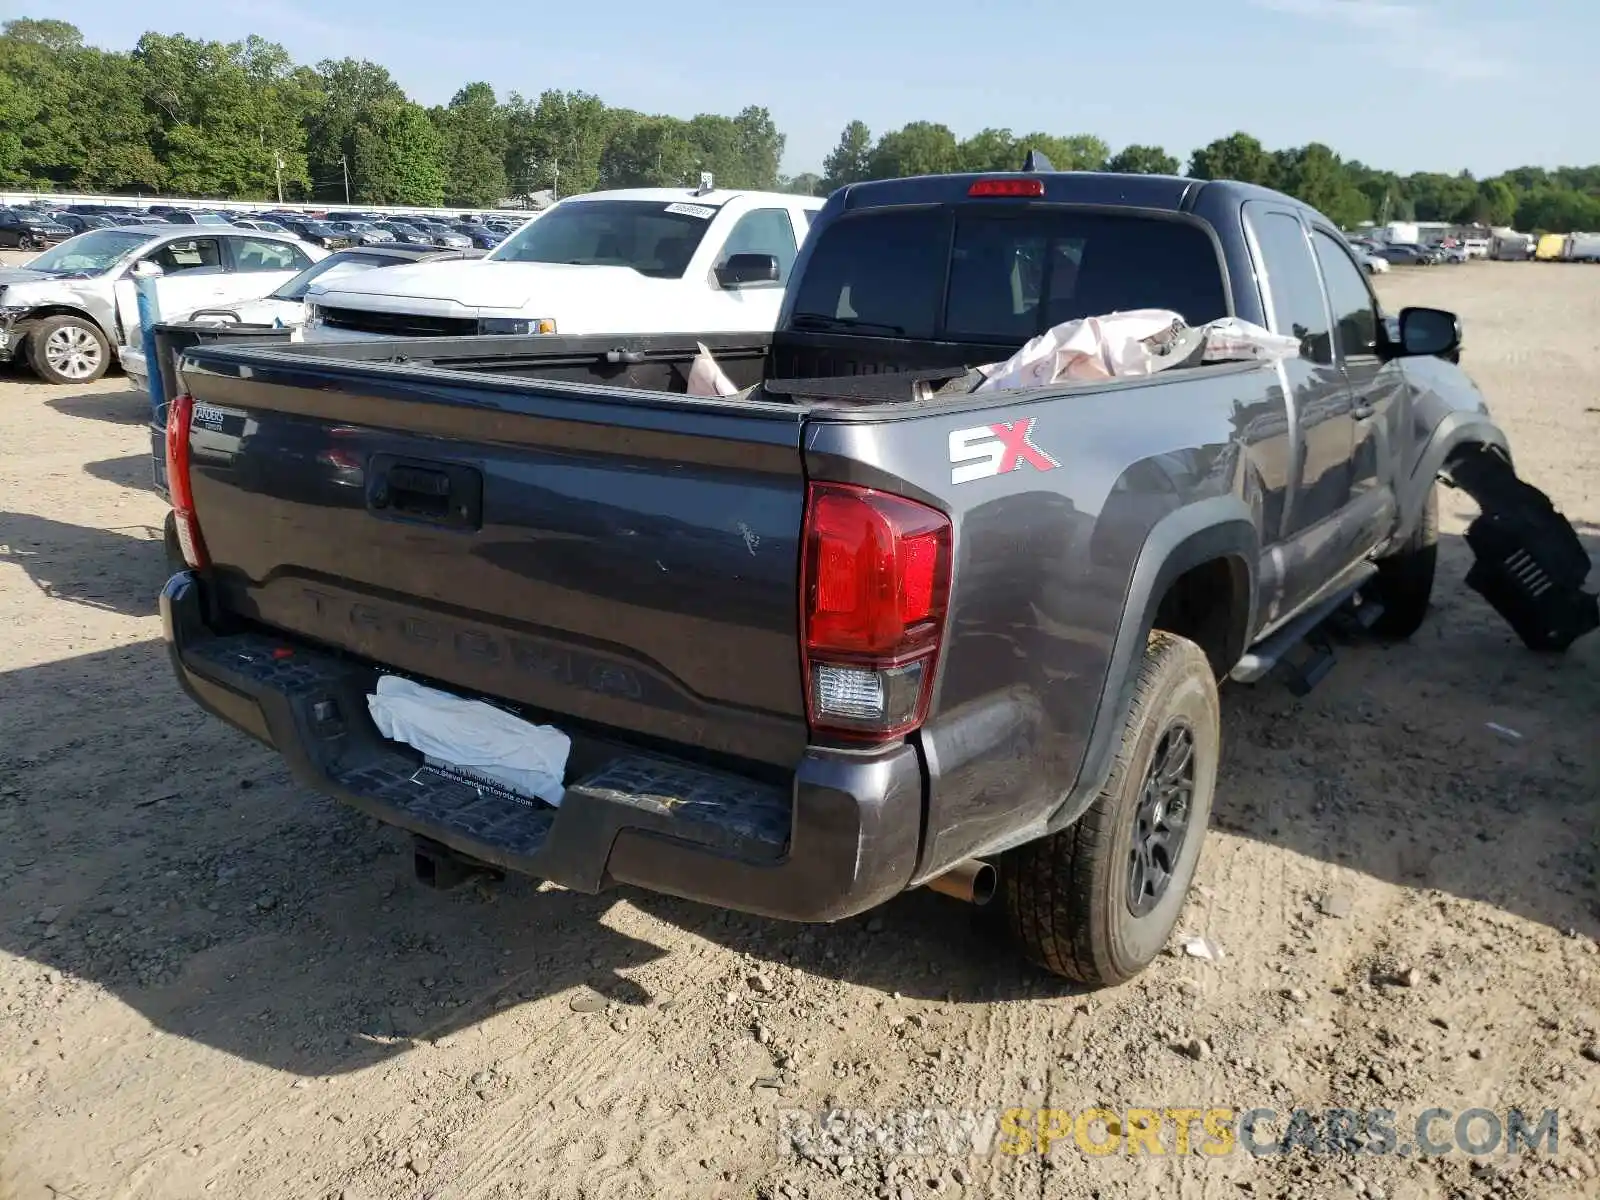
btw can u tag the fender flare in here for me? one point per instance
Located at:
(1457, 429)
(1221, 527)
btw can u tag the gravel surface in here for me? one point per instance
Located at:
(215, 983)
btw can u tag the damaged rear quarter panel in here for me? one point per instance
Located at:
(1044, 562)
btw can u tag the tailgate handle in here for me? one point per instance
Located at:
(445, 494)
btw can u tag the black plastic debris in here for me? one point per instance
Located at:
(1531, 564)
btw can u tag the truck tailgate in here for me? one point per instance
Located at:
(628, 562)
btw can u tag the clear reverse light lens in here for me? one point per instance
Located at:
(866, 698)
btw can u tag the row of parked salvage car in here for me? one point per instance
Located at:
(667, 260)
(73, 311)
(35, 226)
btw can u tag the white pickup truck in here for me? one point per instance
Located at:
(666, 260)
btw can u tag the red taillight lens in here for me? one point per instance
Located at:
(876, 584)
(1007, 187)
(180, 416)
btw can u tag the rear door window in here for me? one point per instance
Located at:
(1012, 273)
(1299, 307)
(261, 254)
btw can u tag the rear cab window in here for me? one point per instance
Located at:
(991, 274)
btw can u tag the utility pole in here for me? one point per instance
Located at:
(555, 180)
(345, 168)
(277, 171)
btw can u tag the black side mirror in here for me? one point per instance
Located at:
(1429, 331)
(743, 269)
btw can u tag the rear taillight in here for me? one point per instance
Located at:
(180, 415)
(874, 587)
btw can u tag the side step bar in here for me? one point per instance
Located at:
(1274, 649)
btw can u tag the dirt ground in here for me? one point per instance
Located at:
(216, 983)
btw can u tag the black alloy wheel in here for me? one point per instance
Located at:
(1161, 821)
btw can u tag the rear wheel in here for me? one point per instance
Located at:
(1404, 583)
(1098, 900)
(68, 349)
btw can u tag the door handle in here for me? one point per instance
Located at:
(1362, 411)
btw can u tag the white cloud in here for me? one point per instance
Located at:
(1417, 37)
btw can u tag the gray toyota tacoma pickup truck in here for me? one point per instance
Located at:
(858, 628)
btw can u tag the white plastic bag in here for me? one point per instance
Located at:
(1232, 340)
(1086, 350)
(1121, 344)
(706, 378)
(476, 738)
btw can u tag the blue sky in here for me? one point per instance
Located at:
(1426, 85)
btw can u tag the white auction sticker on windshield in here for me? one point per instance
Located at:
(692, 210)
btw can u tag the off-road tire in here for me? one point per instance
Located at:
(1404, 583)
(39, 356)
(1066, 896)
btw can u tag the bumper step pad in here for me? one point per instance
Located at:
(321, 698)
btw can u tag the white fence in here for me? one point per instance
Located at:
(63, 199)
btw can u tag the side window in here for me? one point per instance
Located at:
(1298, 305)
(763, 231)
(189, 254)
(259, 254)
(1355, 316)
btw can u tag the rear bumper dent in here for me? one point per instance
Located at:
(842, 840)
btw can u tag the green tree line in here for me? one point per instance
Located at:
(240, 119)
(1348, 191)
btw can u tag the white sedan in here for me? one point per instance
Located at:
(1374, 264)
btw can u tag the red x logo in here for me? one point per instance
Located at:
(1018, 439)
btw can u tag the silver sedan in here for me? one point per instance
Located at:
(70, 307)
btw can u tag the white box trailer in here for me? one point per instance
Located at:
(1582, 247)
(1400, 233)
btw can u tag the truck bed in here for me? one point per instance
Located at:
(808, 369)
(624, 563)
(648, 362)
